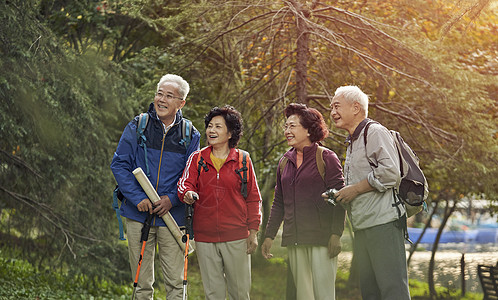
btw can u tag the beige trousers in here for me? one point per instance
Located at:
(170, 257)
(225, 266)
(313, 271)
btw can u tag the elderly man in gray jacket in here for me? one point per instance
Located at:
(371, 172)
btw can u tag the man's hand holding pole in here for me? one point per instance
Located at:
(154, 197)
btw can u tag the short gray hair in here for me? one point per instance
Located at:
(183, 87)
(352, 93)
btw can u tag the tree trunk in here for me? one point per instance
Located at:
(302, 51)
(267, 196)
(268, 186)
(448, 211)
(417, 242)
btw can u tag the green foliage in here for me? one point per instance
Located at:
(73, 73)
(20, 280)
(420, 75)
(58, 132)
(420, 290)
(101, 26)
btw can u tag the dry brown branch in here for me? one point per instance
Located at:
(415, 121)
(225, 32)
(473, 11)
(48, 214)
(256, 87)
(440, 132)
(18, 161)
(333, 38)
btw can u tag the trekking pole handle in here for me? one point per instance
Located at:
(189, 211)
(154, 197)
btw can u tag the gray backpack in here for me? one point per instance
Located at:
(413, 189)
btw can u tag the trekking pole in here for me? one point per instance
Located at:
(154, 197)
(189, 234)
(143, 239)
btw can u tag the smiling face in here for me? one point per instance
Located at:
(217, 132)
(167, 102)
(297, 136)
(344, 113)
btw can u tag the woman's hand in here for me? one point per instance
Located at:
(335, 246)
(265, 248)
(190, 197)
(252, 241)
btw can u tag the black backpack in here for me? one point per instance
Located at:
(413, 189)
(242, 171)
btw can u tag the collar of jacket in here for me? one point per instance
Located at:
(356, 133)
(206, 154)
(292, 153)
(153, 114)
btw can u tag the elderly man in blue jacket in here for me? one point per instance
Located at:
(167, 154)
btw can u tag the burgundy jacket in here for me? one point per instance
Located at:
(221, 214)
(308, 219)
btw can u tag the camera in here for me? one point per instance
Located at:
(331, 196)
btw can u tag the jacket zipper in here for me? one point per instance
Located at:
(159, 168)
(294, 198)
(217, 213)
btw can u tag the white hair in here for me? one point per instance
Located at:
(183, 87)
(352, 94)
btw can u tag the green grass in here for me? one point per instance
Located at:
(20, 280)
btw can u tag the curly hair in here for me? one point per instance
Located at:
(310, 119)
(233, 119)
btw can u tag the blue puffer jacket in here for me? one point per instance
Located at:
(129, 156)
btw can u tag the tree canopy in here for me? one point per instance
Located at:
(75, 72)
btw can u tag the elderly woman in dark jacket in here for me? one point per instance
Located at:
(312, 228)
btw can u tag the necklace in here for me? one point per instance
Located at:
(224, 154)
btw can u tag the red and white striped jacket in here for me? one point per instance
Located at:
(221, 213)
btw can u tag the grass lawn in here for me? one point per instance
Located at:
(20, 280)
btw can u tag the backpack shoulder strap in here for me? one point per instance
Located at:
(365, 133)
(397, 141)
(201, 164)
(143, 119)
(242, 171)
(186, 132)
(282, 163)
(320, 163)
(117, 195)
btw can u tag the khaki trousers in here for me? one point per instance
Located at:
(313, 271)
(225, 266)
(170, 257)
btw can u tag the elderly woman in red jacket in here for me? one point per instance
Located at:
(226, 213)
(312, 228)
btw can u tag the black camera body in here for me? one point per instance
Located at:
(331, 196)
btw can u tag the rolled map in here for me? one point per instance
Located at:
(168, 219)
